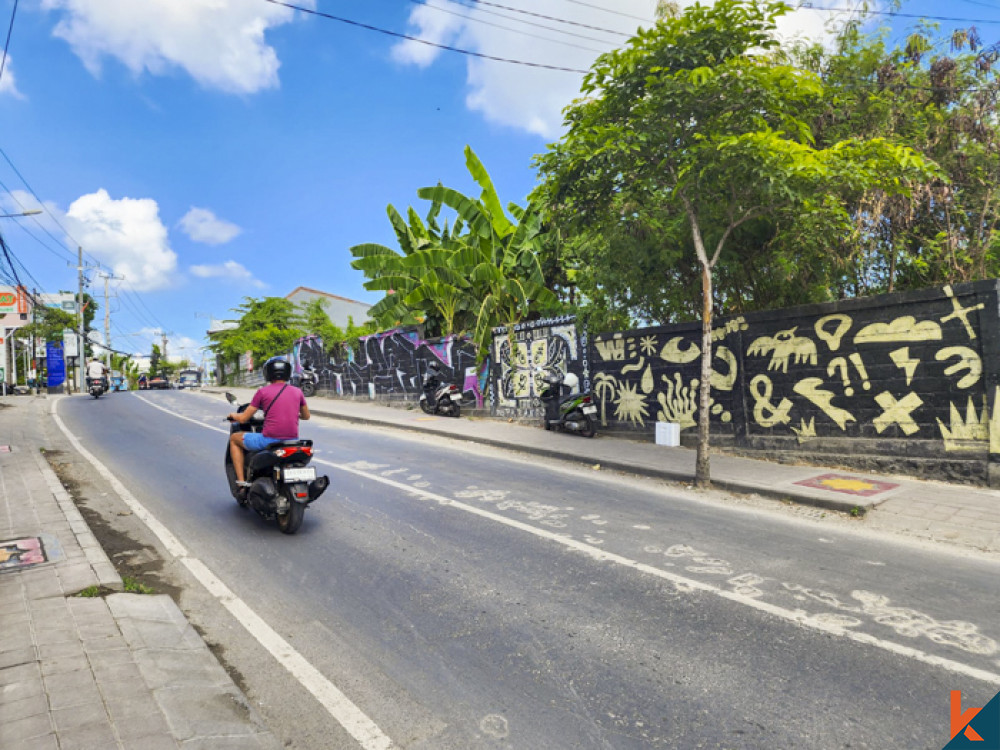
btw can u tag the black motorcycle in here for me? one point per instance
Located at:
(308, 381)
(282, 484)
(97, 387)
(566, 409)
(439, 396)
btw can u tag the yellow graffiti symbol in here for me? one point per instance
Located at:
(961, 312)
(968, 359)
(905, 328)
(905, 362)
(634, 368)
(783, 346)
(810, 388)
(673, 353)
(805, 430)
(832, 338)
(765, 413)
(647, 380)
(611, 350)
(897, 412)
(965, 433)
(724, 382)
(5, 554)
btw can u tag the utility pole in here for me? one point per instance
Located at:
(107, 317)
(80, 355)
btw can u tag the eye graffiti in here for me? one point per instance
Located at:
(673, 353)
(783, 346)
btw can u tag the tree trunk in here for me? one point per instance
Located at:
(702, 472)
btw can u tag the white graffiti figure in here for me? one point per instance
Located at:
(783, 346)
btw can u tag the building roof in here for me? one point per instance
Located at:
(309, 290)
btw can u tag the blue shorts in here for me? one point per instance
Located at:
(254, 441)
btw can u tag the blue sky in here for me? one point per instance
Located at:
(209, 150)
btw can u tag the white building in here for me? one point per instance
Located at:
(338, 308)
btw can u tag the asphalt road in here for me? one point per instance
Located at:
(462, 597)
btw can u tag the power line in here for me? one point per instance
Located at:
(609, 10)
(429, 43)
(508, 28)
(10, 29)
(553, 18)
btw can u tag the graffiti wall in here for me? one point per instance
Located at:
(523, 358)
(391, 365)
(909, 375)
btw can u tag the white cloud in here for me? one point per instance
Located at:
(219, 43)
(126, 235)
(8, 83)
(201, 225)
(230, 271)
(531, 98)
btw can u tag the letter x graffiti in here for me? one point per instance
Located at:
(897, 412)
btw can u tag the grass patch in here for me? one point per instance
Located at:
(132, 586)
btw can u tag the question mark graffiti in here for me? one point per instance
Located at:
(841, 364)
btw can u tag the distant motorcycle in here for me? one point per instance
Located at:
(439, 396)
(566, 410)
(308, 381)
(282, 484)
(98, 387)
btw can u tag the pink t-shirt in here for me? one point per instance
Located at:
(282, 419)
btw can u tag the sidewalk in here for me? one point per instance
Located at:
(938, 511)
(114, 671)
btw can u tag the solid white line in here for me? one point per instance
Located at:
(798, 617)
(340, 707)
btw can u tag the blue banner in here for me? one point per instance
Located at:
(55, 363)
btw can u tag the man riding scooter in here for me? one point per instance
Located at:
(97, 372)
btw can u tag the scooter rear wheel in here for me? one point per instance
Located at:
(425, 407)
(289, 522)
(309, 389)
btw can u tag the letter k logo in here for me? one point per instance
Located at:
(961, 720)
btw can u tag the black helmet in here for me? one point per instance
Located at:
(277, 368)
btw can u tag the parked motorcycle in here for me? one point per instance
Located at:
(439, 396)
(97, 387)
(282, 484)
(308, 381)
(566, 410)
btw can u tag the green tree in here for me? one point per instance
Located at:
(482, 273)
(694, 131)
(265, 327)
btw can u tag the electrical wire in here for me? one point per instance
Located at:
(411, 38)
(553, 18)
(10, 29)
(508, 28)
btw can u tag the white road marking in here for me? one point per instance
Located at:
(683, 583)
(339, 706)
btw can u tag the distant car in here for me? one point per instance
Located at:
(189, 379)
(159, 382)
(143, 383)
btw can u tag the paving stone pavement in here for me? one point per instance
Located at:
(117, 670)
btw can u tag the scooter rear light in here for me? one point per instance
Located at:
(586, 399)
(301, 494)
(283, 452)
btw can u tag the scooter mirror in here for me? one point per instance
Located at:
(230, 397)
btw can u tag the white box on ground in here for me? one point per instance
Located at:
(668, 433)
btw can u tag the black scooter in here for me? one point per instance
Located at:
(97, 386)
(566, 410)
(439, 397)
(307, 381)
(281, 483)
